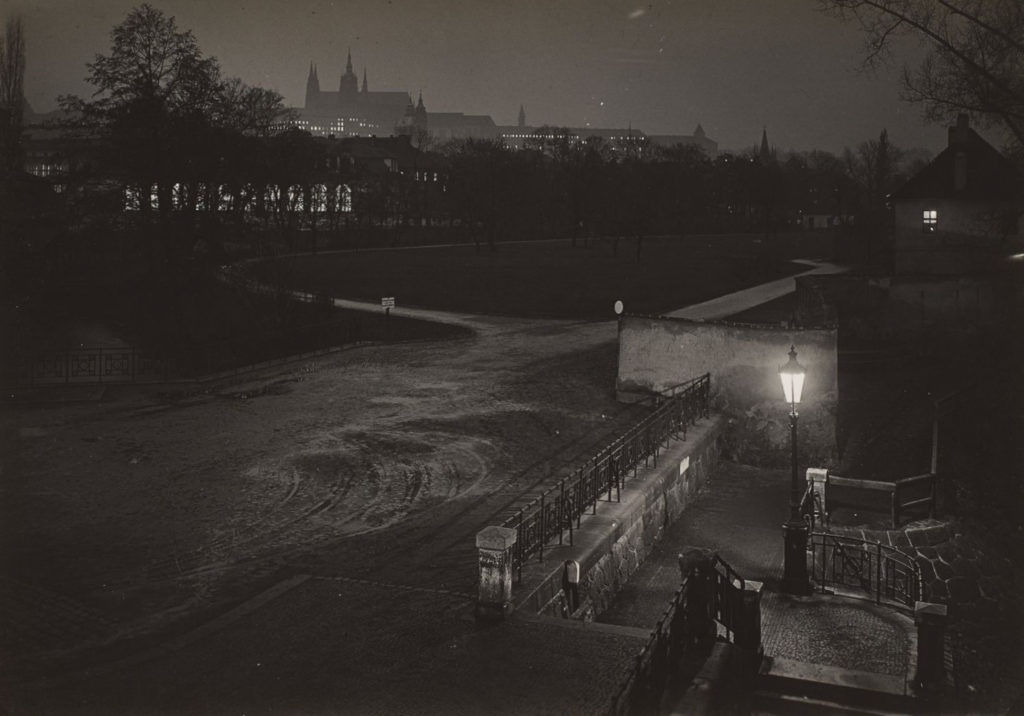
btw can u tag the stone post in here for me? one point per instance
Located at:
(494, 593)
(697, 570)
(931, 644)
(748, 633)
(817, 477)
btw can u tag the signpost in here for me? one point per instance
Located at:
(387, 303)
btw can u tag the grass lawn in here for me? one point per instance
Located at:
(551, 278)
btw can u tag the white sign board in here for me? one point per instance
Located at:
(684, 464)
(387, 302)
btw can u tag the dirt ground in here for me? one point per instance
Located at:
(148, 512)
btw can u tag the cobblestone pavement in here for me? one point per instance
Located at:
(739, 514)
(838, 632)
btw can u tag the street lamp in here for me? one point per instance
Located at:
(795, 531)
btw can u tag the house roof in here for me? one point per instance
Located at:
(985, 173)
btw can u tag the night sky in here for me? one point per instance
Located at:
(663, 66)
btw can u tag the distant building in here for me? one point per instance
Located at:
(518, 136)
(962, 212)
(697, 139)
(350, 111)
(356, 111)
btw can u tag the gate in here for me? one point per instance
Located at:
(880, 572)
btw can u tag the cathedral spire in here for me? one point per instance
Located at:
(522, 117)
(348, 65)
(364, 79)
(766, 152)
(312, 86)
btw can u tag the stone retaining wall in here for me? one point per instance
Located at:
(612, 544)
(955, 570)
(658, 353)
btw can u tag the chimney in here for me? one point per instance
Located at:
(960, 171)
(961, 133)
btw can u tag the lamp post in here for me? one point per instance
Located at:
(795, 531)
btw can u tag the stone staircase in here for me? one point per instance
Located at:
(787, 686)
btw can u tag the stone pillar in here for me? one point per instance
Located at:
(931, 645)
(494, 593)
(697, 570)
(817, 477)
(748, 632)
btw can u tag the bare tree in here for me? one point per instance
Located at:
(12, 94)
(975, 60)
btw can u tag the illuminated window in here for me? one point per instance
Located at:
(930, 220)
(131, 198)
(295, 198)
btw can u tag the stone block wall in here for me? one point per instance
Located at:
(612, 544)
(663, 499)
(908, 310)
(657, 353)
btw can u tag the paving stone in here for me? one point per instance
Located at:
(942, 570)
(900, 539)
(962, 589)
(946, 552)
(966, 568)
(927, 572)
(937, 591)
(918, 538)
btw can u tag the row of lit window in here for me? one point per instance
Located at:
(321, 198)
(45, 170)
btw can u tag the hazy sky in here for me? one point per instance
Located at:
(663, 66)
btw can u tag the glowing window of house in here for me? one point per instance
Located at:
(930, 220)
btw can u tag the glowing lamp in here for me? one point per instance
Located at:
(792, 375)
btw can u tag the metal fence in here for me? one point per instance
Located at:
(679, 643)
(873, 568)
(642, 689)
(99, 365)
(558, 511)
(905, 494)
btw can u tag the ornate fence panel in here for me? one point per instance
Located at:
(678, 645)
(641, 691)
(602, 477)
(98, 365)
(879, 571)
(728, 596)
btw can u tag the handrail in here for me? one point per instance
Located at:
(895, 490)
(679, 634)
(871, 567)
(556, 510)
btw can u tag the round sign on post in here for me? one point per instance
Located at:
(619, 308)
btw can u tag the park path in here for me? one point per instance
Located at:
(713, 309)
(738, 301)
(369, 471)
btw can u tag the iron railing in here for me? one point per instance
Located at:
(879, 571)
(921, 489)
(676, 636)
(560, 509)
(641, 691)
(727, 599)
(99, 365)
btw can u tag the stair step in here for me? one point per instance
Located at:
(857, 691)
(768, 703)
